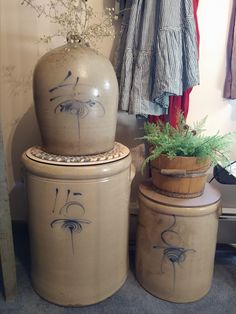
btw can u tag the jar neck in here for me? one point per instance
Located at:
(75, 38)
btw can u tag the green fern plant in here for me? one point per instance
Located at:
(187, 141)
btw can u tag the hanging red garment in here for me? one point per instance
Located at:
(179, 103)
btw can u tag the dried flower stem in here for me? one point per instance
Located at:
(76, 18)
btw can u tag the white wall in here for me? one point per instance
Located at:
(20, 29)
(207, 99)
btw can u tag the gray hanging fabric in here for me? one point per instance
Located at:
(122, 4)
(157, 55)
(230, 81)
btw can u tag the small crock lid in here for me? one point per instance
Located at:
(37, 153)
(210, 196)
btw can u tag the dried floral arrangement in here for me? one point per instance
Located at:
(76, 19)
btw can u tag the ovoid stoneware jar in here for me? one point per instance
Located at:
(176, 240)
(78, 224)
(76, 98)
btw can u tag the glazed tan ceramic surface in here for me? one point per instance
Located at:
(76, 99)
(183, 177)
(78, 221)
(176, 244)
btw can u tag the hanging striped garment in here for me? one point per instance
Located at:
(180, 103)
(230, 81)
(158, 55)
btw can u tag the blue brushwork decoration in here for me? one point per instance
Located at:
(69, 101)
(67, 206)
(176, 255)
(70, 225)
(55, 200)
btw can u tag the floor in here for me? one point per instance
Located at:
(131, 298)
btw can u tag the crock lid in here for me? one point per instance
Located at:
(210, 196)
(37, 153)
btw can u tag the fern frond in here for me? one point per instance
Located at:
(186, 141)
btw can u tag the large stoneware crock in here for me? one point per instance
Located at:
(78, 224)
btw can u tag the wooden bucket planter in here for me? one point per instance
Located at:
(182, 177)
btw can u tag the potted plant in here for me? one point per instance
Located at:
(180, 157)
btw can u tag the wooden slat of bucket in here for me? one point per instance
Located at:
(183, 177)
(179, 195)
(179, 162)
